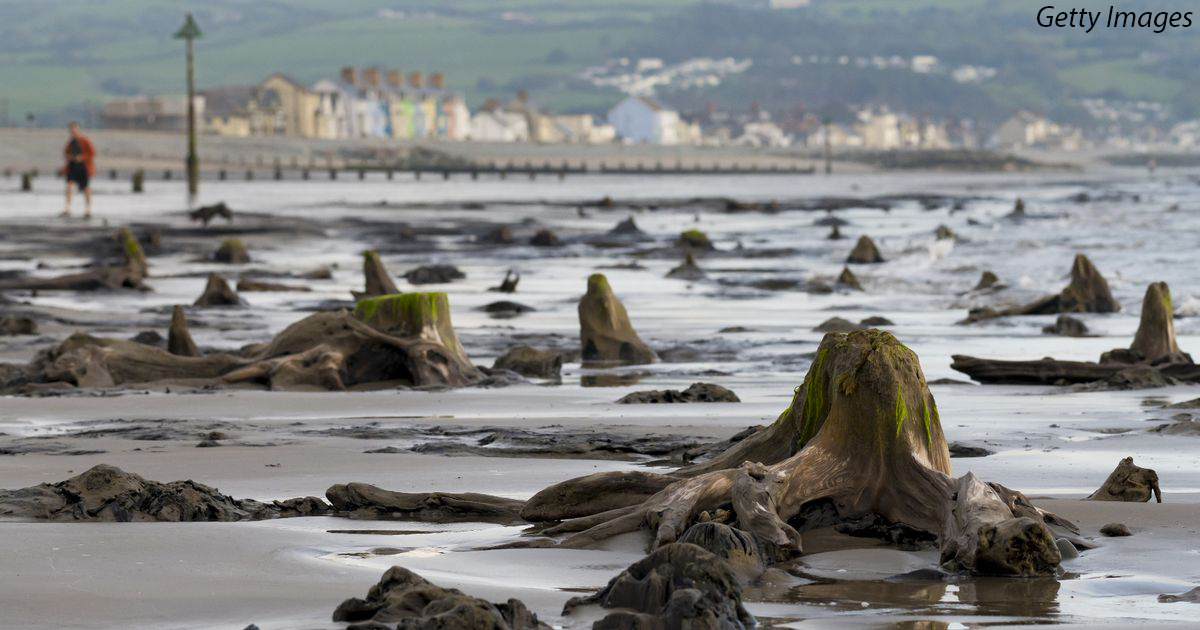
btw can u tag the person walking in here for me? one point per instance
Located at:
(79, 169)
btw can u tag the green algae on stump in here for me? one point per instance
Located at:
(695, 239)
(424, 315)
(605, 333)
(135, 258)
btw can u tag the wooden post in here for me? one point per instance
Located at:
(221, 174)
(27, 182)
(137, 181)
(188, 32)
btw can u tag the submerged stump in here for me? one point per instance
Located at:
(865, 252)
(376, 279)
(179, 339)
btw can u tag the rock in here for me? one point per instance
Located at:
(1067, 326)
(17, 325)
(987, 280)
(1115, 530)
(865, 252)
(545, 238)
(231, 252)
(434, 274)
(695, 239)
(505, 309)
(628, 226)
(735, 329)
(531, 362)
(876, 321)
(250, 286)
(696, 392)
(405, 597)
(204, 214)
(218, 293)
(500, 235)
(509, 283)
(377, 280)
(1128, 483)
(678, 585)
(943, 233)
(149, 338)
(107, 493)
(959, 449)
(605, 333)
(688, 270)
(838, 325)
(320, 273)
(179, 339)
(361, 500)
(1186, 425)
(1066, 549)
(849, 280)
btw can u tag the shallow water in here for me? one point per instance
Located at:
(1046, 441)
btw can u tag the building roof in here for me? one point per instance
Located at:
(228, 100)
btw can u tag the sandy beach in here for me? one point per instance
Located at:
(748, 325)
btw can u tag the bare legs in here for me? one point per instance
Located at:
(87, 202)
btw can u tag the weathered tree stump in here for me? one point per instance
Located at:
(217, 292)
(179, 339)
(1128, 482)
(231, 252)
(862, 436)
(606, 335)
(1088, 292)
(377, 280)
(865, 252)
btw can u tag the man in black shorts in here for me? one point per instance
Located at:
(79, 154)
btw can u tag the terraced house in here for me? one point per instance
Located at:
(358, 104)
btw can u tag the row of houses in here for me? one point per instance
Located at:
(367, 104)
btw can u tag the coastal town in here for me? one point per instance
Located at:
(388, 104)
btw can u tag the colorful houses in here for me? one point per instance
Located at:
(370, 103)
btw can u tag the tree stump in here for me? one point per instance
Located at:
(605, 333)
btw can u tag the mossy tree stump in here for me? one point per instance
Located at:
(422, 315)
(862, 437)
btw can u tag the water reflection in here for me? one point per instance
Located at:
(1034, 599)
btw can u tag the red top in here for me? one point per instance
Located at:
(87, 153)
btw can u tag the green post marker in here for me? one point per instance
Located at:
(188, 32)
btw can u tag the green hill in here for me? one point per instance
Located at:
(57, 55)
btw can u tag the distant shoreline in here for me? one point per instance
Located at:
(156, 152)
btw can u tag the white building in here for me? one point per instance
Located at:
(641, 120)
(497, 125)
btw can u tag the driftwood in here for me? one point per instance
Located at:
(605, 333)
(861, 444)
(509, 283)
(1153, 359)
(1088, 292)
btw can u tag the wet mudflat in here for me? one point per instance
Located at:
(770, 278)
